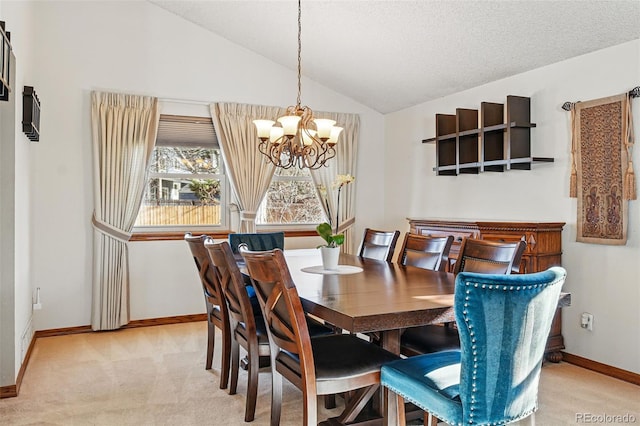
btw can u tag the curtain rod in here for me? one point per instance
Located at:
(634, 93)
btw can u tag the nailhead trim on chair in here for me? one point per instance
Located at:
(474, 348)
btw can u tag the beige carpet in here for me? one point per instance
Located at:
(156, 376)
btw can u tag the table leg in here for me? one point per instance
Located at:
(391, 342)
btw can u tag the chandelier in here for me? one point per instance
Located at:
(299, 139)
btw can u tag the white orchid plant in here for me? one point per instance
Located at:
(326, 230)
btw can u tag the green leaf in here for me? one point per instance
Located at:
(324, 230)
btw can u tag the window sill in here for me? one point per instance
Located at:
(216, 235)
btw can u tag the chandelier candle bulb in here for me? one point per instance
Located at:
(289, 124)
(264, 128)
(324, 126)
(307, 137)
(275, 134)
(335, 133)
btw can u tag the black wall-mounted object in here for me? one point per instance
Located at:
(5, 63)
(31, 114)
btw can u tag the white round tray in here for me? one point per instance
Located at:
(342, 269)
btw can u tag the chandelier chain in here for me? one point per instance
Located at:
(299, 53)
(301, 140)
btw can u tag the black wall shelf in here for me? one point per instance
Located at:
(498, 144)
(31, 114)
(5, 62)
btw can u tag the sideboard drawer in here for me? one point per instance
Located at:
(458, 235)
(506, 238)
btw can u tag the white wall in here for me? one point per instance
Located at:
(19, 23)
(603, 280)
(136, 47)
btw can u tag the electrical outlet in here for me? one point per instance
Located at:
(586, 321)
(37, 305)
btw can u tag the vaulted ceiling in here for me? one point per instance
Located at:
(390, 55)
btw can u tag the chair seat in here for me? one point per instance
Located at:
(261, 331)
(435, 377)
(339, 356)
(317, 328)
(428, 339)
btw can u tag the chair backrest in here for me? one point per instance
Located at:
(232, 284)
(257, 242)
(283, 313)
(489, 257)
(425, 252)
(210, 285)
(502, 352)
(378, 244)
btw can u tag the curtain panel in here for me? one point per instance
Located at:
(124, 129)
(343, 163)
(249, 172)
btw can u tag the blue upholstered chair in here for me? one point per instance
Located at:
(257, 242)
(503, 322)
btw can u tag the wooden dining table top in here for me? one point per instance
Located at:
(383, 296)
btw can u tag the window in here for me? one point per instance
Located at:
(186, 184)
(291, 199)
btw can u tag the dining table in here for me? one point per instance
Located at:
(373, 296)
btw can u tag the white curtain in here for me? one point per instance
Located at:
(343, 163)
(124, 129)
(249, 171)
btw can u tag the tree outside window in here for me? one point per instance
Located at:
(185, 187)
(291, 199)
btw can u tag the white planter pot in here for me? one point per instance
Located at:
(330, 257)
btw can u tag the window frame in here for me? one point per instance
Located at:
(302, 227)
(150, 231)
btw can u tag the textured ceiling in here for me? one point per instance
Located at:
(391, 55)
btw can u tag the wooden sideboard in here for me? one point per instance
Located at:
(544, 249)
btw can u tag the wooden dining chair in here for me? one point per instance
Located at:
(489, 257)
(493, 378)
(378, 244)
(217, 314)
(425, 252)
(319, 365)
(249, 331)
(482, 256)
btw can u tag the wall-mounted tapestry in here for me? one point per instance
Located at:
(602, 176)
